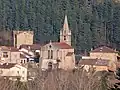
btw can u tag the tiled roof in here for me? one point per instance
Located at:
(7, 65)
(13, 49)
(8, 48)
(97, 62)
(4, 48)
(61, 45)
(32, 47)
(104, 49)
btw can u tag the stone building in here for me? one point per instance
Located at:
(13, 71)
(16, 38)
(104, 53)
(107, 53)
(9, 55)
(22, 37)
(59, 54)
(96, 64)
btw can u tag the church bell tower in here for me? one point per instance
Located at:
(65, 33)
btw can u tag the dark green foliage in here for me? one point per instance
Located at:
(92, 23)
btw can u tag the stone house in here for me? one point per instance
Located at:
(31, 49)
(9, 55)
(13, 71)
(96, 64)
(107, 53)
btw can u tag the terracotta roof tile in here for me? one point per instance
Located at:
(62, 45)
(8, 48)
(32, 47)
(104, 49)
(97, 62)
(4, 48)
(13, 49)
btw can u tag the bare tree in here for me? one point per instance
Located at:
(61, 80)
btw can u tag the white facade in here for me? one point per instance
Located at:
(15, 71)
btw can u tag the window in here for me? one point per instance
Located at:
(48, 54)
(50, 46)
(24, 61)
(22, 77)
(5, 54)
(18, 72)
(23, 72)
(51, 54)
(21, 61)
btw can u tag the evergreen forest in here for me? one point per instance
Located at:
(92, 22)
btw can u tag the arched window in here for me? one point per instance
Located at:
(51, 54)
(48, 54)
(50, 66)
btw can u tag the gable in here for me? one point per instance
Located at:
(57, 45)
(62, 45)
(49, 46)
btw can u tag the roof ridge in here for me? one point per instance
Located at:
(104, 49)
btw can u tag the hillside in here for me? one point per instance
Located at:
(92, 23)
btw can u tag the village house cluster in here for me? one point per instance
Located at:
(20, 51)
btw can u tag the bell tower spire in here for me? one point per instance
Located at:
(65, 26)
(65, 33)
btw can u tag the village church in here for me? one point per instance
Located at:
(59, 54)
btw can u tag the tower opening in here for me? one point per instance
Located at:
(64, 37)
